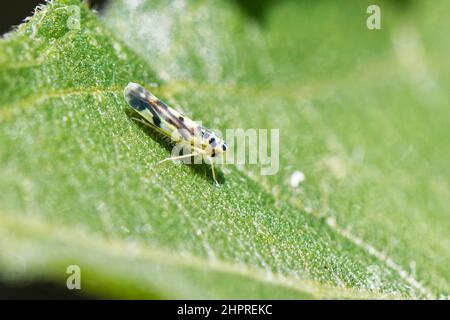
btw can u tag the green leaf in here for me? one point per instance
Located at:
(80, 184)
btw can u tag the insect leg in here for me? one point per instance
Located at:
(214, 173)
(142, 121)
(178, 157)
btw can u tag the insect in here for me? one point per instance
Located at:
(174, 125)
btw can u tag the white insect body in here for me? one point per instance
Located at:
(174, 125)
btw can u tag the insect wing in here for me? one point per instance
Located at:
(148, 106)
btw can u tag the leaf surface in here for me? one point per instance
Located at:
(80, 184)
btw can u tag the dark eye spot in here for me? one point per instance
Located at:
(224, 147)
(181, 118)
(211, 140)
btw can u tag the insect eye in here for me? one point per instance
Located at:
(224, 147)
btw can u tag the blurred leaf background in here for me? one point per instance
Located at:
(362, 113)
